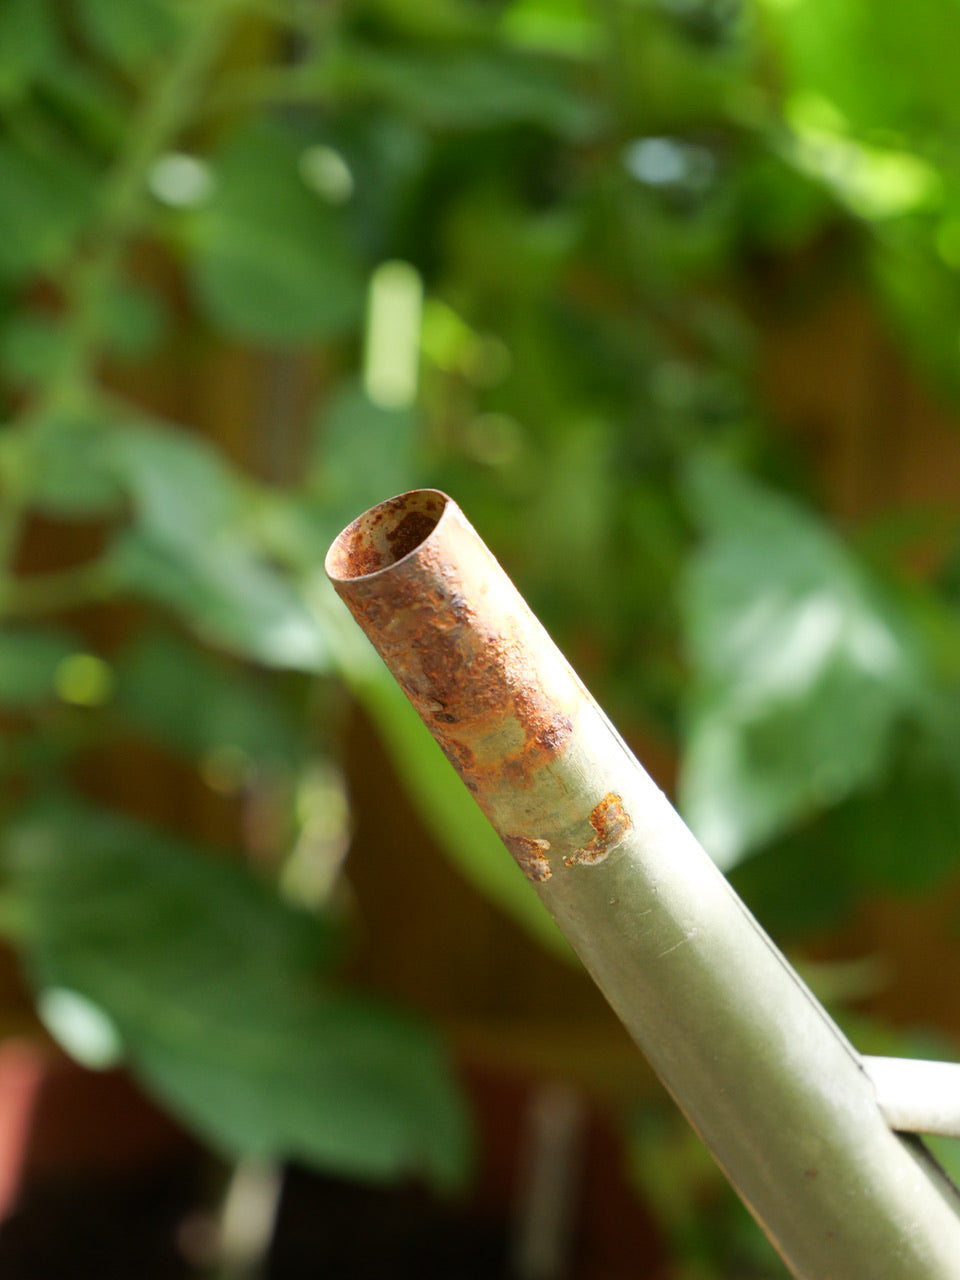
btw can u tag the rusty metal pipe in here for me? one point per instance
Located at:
(766, 1078)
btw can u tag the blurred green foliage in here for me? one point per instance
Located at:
(212, 983)
(581, 190)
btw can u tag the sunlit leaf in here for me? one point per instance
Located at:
(801, 670)
(192, 549)
(227, 594)
(183, 490)
(216, 989)
(882, 67)
(567, 27)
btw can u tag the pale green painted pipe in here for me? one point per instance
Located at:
(758, 1067)
(917, 1096)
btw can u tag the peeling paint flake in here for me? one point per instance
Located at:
(611, 823)
(531, 856)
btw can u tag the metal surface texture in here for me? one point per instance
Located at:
(761, 1071)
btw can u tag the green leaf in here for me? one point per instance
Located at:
(902, 835)
(273, 262)
(214, 986)
(194, 550)
(31, 347)
(28, 45)
(47, 197)
(469, 89)
(129, 34)
(92, 100)
(29, 658)
(881, 66)
(66, 466)
(227, 595)
(362, 454)
(567, 27)
(33, 343)
(428, 20)
(777, 205)
(183, 491)
(919, 293)
(133, 321)
(800, 884)
(801, 670)
(188, 701)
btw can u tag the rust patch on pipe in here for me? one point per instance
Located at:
(410, 532)
(365, 559)
(531, 856)
(611, 823)
(458, 638)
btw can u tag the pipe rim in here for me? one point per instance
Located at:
(386, 534)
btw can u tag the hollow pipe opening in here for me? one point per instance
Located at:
(385, 534)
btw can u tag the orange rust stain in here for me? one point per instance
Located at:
(611, 823)
(364, 559)
(460, 755)
(546, 727)
(466, 678)
(531, 856)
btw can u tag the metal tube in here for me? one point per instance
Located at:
(917, 1096)
(762, 1073)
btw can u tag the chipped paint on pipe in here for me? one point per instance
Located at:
(763, 1074)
